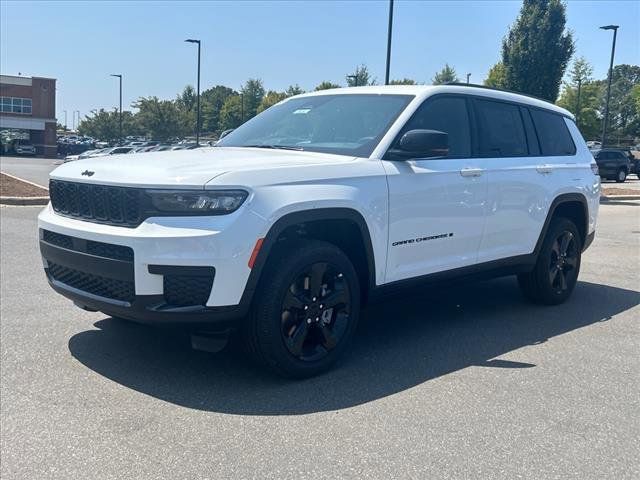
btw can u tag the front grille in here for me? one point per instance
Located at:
(100, 249)
(97, 203)
(187, 290)
(94, 284)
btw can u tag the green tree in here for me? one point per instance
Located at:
(495, 78)
(446, 75)
(212, 101)
(230, 113)
(360, 77)
(161, 119)
(294, 90)
(590, 118)
(624, 116)
(403, 81)
(537, 49)
(252, 93)
(105, 125)
(270, 99)
(326, 86)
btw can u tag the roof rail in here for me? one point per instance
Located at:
(462, 84)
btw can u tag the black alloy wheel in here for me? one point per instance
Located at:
(563, 261)
(315, 312)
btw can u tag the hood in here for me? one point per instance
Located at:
(183, 168)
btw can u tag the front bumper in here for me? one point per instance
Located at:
(136, 287)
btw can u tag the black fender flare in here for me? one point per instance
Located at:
(303, 216)
(559, 200)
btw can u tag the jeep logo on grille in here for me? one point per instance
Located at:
(88, 173)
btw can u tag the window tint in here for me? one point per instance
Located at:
(501, 130)
(532, 138)
(445, 114)
(553, 133)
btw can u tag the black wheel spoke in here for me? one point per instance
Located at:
(334, 299)
(296, 341)
(315, 279)
(572, 262)
(563, 280)
(292, 301)
(566, 240)
(553, 274)
(329, 341)
(555, 248)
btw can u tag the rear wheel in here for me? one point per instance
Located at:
(621, 175)
(556, 271)
(306, 310)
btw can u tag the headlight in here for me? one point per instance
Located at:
(201, 202)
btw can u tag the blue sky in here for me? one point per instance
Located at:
(81, 43)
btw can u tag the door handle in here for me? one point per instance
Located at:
(544, 169)
(471, 172)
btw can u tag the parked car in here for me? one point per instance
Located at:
(320, 204)
(594, 145)
(613, 164)
(22, 147)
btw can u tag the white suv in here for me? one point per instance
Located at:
(321, 203)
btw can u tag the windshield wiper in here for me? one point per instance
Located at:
(276, 147)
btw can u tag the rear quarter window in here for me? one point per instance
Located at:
(553, 134)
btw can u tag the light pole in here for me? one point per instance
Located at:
(468, 77)
(66, 127)
(119, 75)
(78, 112)
(191, 40)
(578, 103)
(389, 29)
(606, 105)
(241, 107)
(354, 78)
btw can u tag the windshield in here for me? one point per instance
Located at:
(347, 124)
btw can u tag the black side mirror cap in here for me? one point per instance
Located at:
(421, 144)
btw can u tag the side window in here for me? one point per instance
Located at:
(553, 133)
(446, 114)
(532, 137)
(501, 130)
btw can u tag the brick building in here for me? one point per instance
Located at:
(29, 103)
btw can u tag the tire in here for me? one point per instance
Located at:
(554, 276)
(621, 176)
(291, 329)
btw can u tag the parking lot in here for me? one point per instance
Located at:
(466, 382)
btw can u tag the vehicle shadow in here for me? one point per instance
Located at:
(401, 343)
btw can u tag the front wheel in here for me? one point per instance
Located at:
(556, 271)
(306, 310)
(621, 176)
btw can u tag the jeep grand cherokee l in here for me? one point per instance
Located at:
(321, 203)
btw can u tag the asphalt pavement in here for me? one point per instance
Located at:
(33, 169)
(468, 382)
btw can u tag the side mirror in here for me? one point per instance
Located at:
(422, 144)
(225, 133)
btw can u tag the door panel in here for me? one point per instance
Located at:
(436, 215)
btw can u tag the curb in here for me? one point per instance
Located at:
(24, 200)
(615, 198)
(25, 181)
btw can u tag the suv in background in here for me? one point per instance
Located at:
(613, 164)
(23, 147)
(319, 204)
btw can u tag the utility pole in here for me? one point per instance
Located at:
(578, 103)
(606, 105)
(389, 31)
(354, 78)
(119, 75)
(468, 77)
(191, 40)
